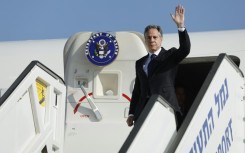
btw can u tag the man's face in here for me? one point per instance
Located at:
(153, 40)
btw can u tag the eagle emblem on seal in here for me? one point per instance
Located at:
(101, 49)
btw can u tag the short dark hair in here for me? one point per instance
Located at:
(147, 28)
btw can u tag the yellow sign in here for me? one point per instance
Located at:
(41, 91)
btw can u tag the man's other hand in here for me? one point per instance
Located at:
(130, 121)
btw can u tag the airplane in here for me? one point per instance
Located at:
(97, 96)
(209, 43)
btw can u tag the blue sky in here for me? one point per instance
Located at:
(51, 19)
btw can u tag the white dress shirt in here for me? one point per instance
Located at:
(149, 59)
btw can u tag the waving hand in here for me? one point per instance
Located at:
(179, 16)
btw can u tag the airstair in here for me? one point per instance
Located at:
(214, 123)
(32, 112)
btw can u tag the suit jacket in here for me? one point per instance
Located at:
(161, 80)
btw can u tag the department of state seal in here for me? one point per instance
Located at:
(101, 49)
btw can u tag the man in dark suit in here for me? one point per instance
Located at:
(155, 72)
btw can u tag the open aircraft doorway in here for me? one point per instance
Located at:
(214, 121)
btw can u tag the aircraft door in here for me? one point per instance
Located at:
(99, 78)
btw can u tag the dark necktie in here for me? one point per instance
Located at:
(149, 68)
